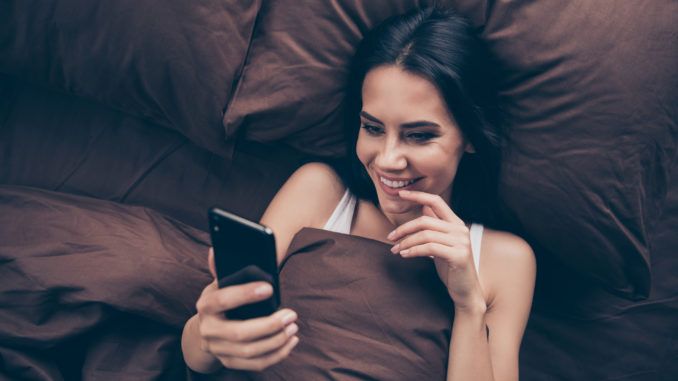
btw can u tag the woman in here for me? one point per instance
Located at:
(425, 159)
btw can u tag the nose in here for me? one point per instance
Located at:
(391, 155)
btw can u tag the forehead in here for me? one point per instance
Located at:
(392, 91)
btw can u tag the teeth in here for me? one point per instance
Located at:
(395, 184)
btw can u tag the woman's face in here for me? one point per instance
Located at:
(408, 139)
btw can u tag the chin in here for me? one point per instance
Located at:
(391, 206)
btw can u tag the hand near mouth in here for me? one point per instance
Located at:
(440, 234)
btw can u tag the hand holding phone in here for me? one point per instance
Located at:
(244, 251)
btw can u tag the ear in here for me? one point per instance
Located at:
(469, 148)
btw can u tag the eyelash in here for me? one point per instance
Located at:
(421, 137)
(372, 130)
(417, 137)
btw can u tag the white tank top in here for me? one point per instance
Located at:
(342, 217)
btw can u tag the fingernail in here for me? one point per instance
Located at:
(291, 330)
(391, 235)
(404, 252)
(263, 290)
(290, 317)
(395, 248)
(404, 192)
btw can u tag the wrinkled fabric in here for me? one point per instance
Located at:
(589, 94)
(173, 64)
(93, 287)
(363, 312)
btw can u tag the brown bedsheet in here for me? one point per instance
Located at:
(99, 99)
(93, 289)
(96, 290)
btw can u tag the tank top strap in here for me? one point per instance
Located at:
(476, 233)
(342, 217)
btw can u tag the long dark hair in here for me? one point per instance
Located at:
(442, 47)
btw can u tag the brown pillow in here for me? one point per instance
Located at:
(364, 313)
(292, 84)
(173, 62)
(589, 88)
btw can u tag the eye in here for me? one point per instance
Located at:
(372, 129)
(420, 137)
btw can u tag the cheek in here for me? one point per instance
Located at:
(437, 163)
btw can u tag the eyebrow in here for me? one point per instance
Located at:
(418, 123)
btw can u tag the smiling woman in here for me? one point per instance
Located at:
(418, 115)
(448, 74)
(408, 140)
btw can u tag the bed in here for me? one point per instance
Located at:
(122, 122)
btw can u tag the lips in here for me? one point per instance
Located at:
(392, 186)
(395, 183)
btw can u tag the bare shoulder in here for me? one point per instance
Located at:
(314, 188)
(504, 246)
(307, 199)
(506, 262)
(318, 175)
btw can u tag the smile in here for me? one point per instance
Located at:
(395, 183)
(391, 187)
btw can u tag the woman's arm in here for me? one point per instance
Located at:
(498, 302)
(210, 340)
(486, 342)
(469, 354)
(507, 271)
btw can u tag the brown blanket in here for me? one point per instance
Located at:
(364, 313)
(92, 288)
(96, 290)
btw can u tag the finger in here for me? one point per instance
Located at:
(210, 263)
(456, 257)
(420, 223)
(213, 286)
(437, 204)
(428, 211)
(253, 349)
(429, 249)
(230, 297)
(458, 260)
(248, 330)
(261, 362)
(423, 237)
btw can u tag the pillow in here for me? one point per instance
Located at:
(173, 62)
(364, 313)
(589, 89)
(292, 84)
(71, 263)
(74, 145)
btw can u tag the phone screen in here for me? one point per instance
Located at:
(244, 251)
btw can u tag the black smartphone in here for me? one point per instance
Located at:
(244, 251)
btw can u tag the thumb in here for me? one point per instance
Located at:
(210, 263)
